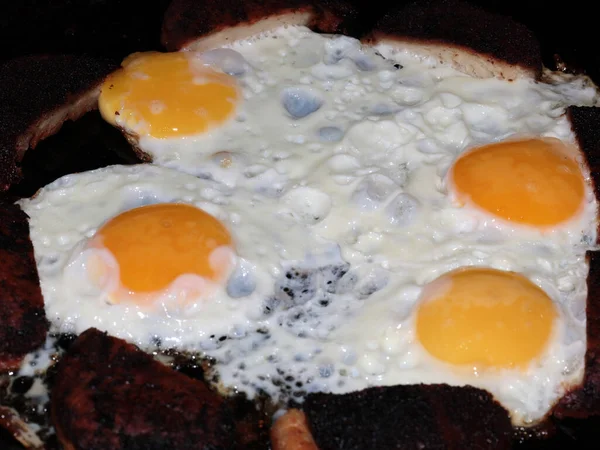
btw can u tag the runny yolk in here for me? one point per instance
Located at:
(535, 182)
(167, 95)
(154, 245)
(484, 318)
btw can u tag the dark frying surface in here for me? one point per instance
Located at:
(107, 394)
(23, 324)
(115, 28)
(187, 20)
(460, 23)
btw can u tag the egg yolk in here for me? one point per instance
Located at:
(166, 95)
(154, 245)
(534, 182)
(485, 318)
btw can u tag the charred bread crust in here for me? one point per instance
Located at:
(477, 42)
(408, 416)
(188, 21)
(108, 394)
(584, 401)
(39, 93)
(23, 324)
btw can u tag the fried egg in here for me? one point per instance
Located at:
(165, 259)
(325, 216)
(533, 182)
(167, 94)
(137, 243)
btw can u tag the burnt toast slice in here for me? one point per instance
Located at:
(23, 324)
(390, 417)
(203, 25)
(108, 394)
(39, 94)
(474, 41)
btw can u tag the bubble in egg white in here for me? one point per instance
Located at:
(333, 72)
(306, 53)
(384, 109)
(371, 364)
(449, 100)
(330, 134)
(406, 96)
(374, 279)
(339, 48)
(227, 60)
(307, 205)
(486, 119)
(395, 341)
(364, 62)
(372, 191)
(428, 146)
(242, 281)
(403, 210)
(343, 163)
(267, 181)
(326, 369)
(299, 102)
(375, 139)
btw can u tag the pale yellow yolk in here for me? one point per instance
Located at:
(485, 318)
(534, 182)
(167, 94)
(154, 245)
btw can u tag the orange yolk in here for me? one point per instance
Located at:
(533, 182)
(154, 245)
(166, 95)
(485, 318)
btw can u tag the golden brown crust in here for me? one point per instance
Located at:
(291, 432)
(473, 40)
(38, 94)
(23, 323)
(188, 21)
(110, 395)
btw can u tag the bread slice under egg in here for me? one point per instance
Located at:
(471, 39)
(474, 41)
(39, 94)
(23, 324)
(108, 394)
(203, 25)
(390, 417)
